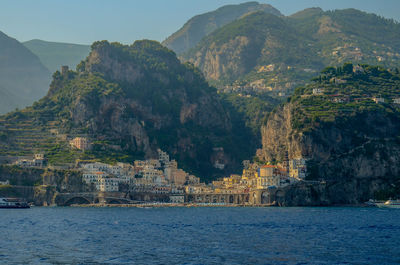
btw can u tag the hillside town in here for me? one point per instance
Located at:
(162, 176)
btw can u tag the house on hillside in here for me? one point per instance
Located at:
(318, 91)
(396, 100)
(378, 100)
(81, 143)
(340, 98)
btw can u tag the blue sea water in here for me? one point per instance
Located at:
(45, 235)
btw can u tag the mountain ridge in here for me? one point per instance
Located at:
(56, 54)
(201, 25)
(129, 101)
(23, 78)
(306, 42)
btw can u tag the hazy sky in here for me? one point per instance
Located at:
(85, 21)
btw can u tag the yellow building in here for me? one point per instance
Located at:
(80, 143)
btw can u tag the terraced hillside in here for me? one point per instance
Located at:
(22, 136)
(129, 101)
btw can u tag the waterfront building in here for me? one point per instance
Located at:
(268, 176)
(177, 198)
(298, 168)
(108, 184)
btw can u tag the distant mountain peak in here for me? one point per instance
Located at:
(202, 25)
(130, 100)
(23, 78)
(55, 54)
(279, 52)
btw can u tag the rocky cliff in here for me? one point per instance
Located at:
(339, 149)
(282, 52)
(352, 142)
(39, 186)
(131, 100)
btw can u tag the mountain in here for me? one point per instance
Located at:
(23, 78)
(129, 101)
(202, 25)
(54, 54)
(348, 140)
(279, 53)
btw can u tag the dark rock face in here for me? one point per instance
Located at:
(25, 182)
(168, 106)
(354, 191)
(357, 158)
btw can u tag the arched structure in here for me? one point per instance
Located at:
(77, 200)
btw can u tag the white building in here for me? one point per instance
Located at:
(378, 100)
(177, 198)
(219, 165)
(103, 182)
(108, 184)
(298, 168)
(95, 167)
(163, 156)
(268, 176)
(317, 91)
(6, 182)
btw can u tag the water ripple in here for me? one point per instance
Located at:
(199, 236)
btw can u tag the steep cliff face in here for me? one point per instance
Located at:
(163, 104)
(340, 192)
(283, 52)
(277, 135)
(364, 146)
(353, 143)
(236, 49)
(131, 100)
(39, 186)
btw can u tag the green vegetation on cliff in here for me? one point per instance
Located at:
(202, 25)
(284, 52)
(346, 123)
(129, 101)
(344, 92)
(249, 112)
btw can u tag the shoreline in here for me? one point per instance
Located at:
(190, 205)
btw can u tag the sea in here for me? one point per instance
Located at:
(199, 235)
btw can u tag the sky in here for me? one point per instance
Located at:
(86, 21)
